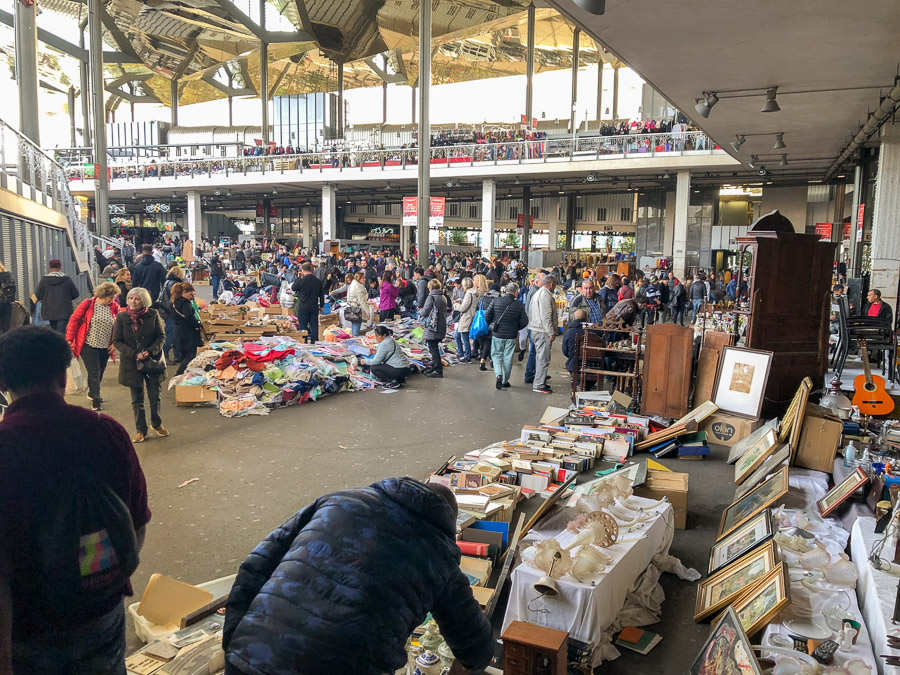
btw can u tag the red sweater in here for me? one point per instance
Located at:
(80, 323)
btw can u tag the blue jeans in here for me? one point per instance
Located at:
(463, 346)
(502, 350)
(696, 304)
(530, 365)
(354, 327)
(678, 315)
(170, 339)
(215, 280)
(96, 647)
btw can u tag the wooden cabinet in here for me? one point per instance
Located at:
(668, 360)
(529, 649)
(789, 303)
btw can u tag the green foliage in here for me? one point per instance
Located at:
(628, 245)
(511, 240)
(458, 237)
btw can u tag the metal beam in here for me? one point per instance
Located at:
(424, 183)
(529, 68)
(303, 13)
(27, 72)
(118, 36)
(264, 79)
(340, 112)
(576, 36)
(209, 78)
(101, 200)
(259, 31)
(115, 87)
(67, 47)
(280, 79)
(386, 77)
(186, 61)
(233, 12)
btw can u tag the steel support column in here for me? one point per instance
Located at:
(414, 105)
(859, 198)
(174, 89)
(340, 105)
(576, 38)
(615, 109)
(383, 105)
(424, 192)
(264, 76)
(488, 200)
(600, 90)
(71, 104)
(101, 201)
(26, 70)
(529, 68)
(526, 220)
(570, 221)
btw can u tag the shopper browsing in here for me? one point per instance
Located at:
(434, 312)
(310, 299)
(543, 324)
(506, 316)
(389, 364)
(339, 587)
(57, 613)
(55, 292)
(90, 333)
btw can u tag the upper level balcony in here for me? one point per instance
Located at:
(631, 154)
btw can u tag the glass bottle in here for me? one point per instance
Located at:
(850, 455)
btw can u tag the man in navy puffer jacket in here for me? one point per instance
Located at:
(340, 587)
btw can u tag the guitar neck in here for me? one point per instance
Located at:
(865, 359)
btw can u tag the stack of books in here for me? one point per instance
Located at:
(693, 446)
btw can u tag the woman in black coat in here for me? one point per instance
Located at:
(188, 328)
(434, 311)
(138, 335)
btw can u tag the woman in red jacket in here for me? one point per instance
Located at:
(90, 333)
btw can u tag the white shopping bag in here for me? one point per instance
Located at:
(76, 378)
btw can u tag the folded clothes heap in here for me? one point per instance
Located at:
(252, 378)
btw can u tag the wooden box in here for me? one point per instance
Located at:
(529, 648)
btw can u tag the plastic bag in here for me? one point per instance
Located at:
(479, 326)
(76, 379)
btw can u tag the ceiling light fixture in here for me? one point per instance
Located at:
(779, 141)
(783, 161)
(591, 177)
(217, 192)
(771, 105)
(705, 104)
(274, 190)
(228, 192)
(174, 195)
(738, 142)
(753, 160)
(596, 7)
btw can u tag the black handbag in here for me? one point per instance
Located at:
(151, 365)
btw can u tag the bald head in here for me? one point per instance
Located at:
(579, 316)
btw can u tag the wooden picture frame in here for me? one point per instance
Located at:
(741, 385)
(748, 536)
(740, 448)
(762, 496)
(732, 581)
(841, 492)
(772, 462)
(755, 456)
(726, 640)
(764, 600)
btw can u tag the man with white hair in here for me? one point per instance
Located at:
(543, 322)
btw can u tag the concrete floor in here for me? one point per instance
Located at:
(255, 472)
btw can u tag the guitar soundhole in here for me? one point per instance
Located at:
(870, 387)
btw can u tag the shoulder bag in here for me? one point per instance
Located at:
(152, 365)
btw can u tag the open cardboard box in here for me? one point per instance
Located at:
(193, 394)
(668, 484)
(167, 601)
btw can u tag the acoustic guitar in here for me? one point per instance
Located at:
(871, 397)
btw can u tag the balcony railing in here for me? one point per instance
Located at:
(31, 173)
(327, 162)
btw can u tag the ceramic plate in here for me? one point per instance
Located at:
(808, 629)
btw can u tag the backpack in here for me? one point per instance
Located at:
(86, 548)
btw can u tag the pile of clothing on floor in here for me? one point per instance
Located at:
(252, 378)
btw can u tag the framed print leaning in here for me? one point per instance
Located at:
(732, 581)
(748, 536)
(741, 381)
(765, 494)
(840, 493)
(726, 650)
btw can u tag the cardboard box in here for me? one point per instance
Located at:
(193, 394)
(724, 429)
(819, 439)
(668, 484)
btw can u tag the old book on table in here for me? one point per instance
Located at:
(637, 640)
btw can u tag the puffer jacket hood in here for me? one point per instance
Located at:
(147, 259)
(54, 280)
(418, 499)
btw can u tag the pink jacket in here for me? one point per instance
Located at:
(388, 299)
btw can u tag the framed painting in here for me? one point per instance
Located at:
(765, 494)
(840, 493)
(754, 457)
(757, 607)
(726, 650)
(733, 580)
(748, 536)
(741, 381)
(740, 448)
(772, 462)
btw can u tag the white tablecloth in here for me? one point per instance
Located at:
(624, 594)
(875, 590)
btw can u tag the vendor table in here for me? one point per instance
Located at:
(590, 612)
(875, 590)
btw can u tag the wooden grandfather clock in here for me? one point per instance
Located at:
(529, 649)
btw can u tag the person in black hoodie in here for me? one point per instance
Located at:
(216, 272)
(55, 292)
(188, 328)
(148, 273)
(310, 298)
(506, 316)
